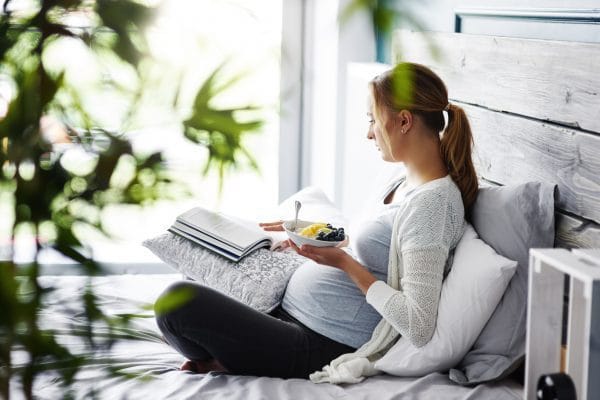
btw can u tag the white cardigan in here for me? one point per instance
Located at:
(428, 224)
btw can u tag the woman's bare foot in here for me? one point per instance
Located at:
(188, 366)
(202, 367)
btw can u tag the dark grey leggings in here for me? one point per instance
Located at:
(210, 325)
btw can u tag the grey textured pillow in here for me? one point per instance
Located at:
(258, 280)
(512, 219)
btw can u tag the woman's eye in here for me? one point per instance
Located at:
(371, 121)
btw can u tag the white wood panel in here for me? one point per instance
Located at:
(593, 389)
(576, 333)
(589, 255)
(547, 80)
(510, 149)
(548, 267)
(544, 322)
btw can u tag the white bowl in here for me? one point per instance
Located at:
(299, 240)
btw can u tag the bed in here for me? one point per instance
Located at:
(147, 355)
(534, 116)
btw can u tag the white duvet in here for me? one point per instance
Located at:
(157, 364)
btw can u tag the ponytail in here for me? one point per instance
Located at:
(456, 147)
(417, 88)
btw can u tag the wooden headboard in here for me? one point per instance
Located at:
(534, 106)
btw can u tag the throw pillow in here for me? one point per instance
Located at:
(259, 279)
(512, 219)
(470, 293)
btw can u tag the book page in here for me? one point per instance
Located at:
(238, 232)
(277, 237)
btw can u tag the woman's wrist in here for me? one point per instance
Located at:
(347, 262)
(361, 276)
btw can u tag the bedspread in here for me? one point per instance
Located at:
(157, 364)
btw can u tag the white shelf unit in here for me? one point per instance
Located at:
(547, 271)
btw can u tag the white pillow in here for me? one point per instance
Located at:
(470, 293)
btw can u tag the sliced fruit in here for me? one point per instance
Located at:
(311, 230)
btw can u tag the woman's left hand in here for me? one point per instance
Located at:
(332, 256)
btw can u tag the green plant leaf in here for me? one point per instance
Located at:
(221, 131)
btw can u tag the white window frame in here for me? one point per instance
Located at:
(315, 53)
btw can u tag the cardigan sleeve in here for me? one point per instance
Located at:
(412, 311)
(423, 247)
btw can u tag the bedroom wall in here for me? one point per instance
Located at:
(533, 111)
(316, 50)
(534, 114)
(579, 20)
(315, 133)
(570, 21)
(439, 15)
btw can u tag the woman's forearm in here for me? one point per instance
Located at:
(358, 273)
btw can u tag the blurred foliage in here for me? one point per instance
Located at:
(50, 195)
(387, 16)
(221, 131)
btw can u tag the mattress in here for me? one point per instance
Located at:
(155, 364)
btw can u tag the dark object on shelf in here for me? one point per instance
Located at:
(557, 386)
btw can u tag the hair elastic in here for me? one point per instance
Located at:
(446, 115)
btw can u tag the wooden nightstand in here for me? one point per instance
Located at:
(547, 271)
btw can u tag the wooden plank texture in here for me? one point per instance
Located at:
(510, 149)
(547, 80)
(572, 232)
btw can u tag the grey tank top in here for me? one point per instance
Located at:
(326, 300)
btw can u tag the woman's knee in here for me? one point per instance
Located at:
(175, 298)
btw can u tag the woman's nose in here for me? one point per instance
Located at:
(370, 134)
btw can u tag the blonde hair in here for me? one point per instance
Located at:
(414, 87)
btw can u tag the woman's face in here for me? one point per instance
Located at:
(378, 130)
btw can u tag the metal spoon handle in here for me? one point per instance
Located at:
(297, 204)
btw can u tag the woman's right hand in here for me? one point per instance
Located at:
(276, 226)
(272, 226)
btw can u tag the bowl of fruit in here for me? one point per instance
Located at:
(319, 234)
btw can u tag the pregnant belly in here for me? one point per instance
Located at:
(326, 292)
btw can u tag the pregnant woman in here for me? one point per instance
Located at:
(349, 308)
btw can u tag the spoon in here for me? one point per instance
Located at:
(297, 204)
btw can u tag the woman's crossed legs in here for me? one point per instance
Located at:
(218, 333)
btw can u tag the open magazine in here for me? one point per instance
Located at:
(231, 237)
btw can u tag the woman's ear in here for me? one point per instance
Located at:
(404, 120)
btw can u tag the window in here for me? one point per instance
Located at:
(192, 38)
(189, 40)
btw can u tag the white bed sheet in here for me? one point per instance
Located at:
(157, 364)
